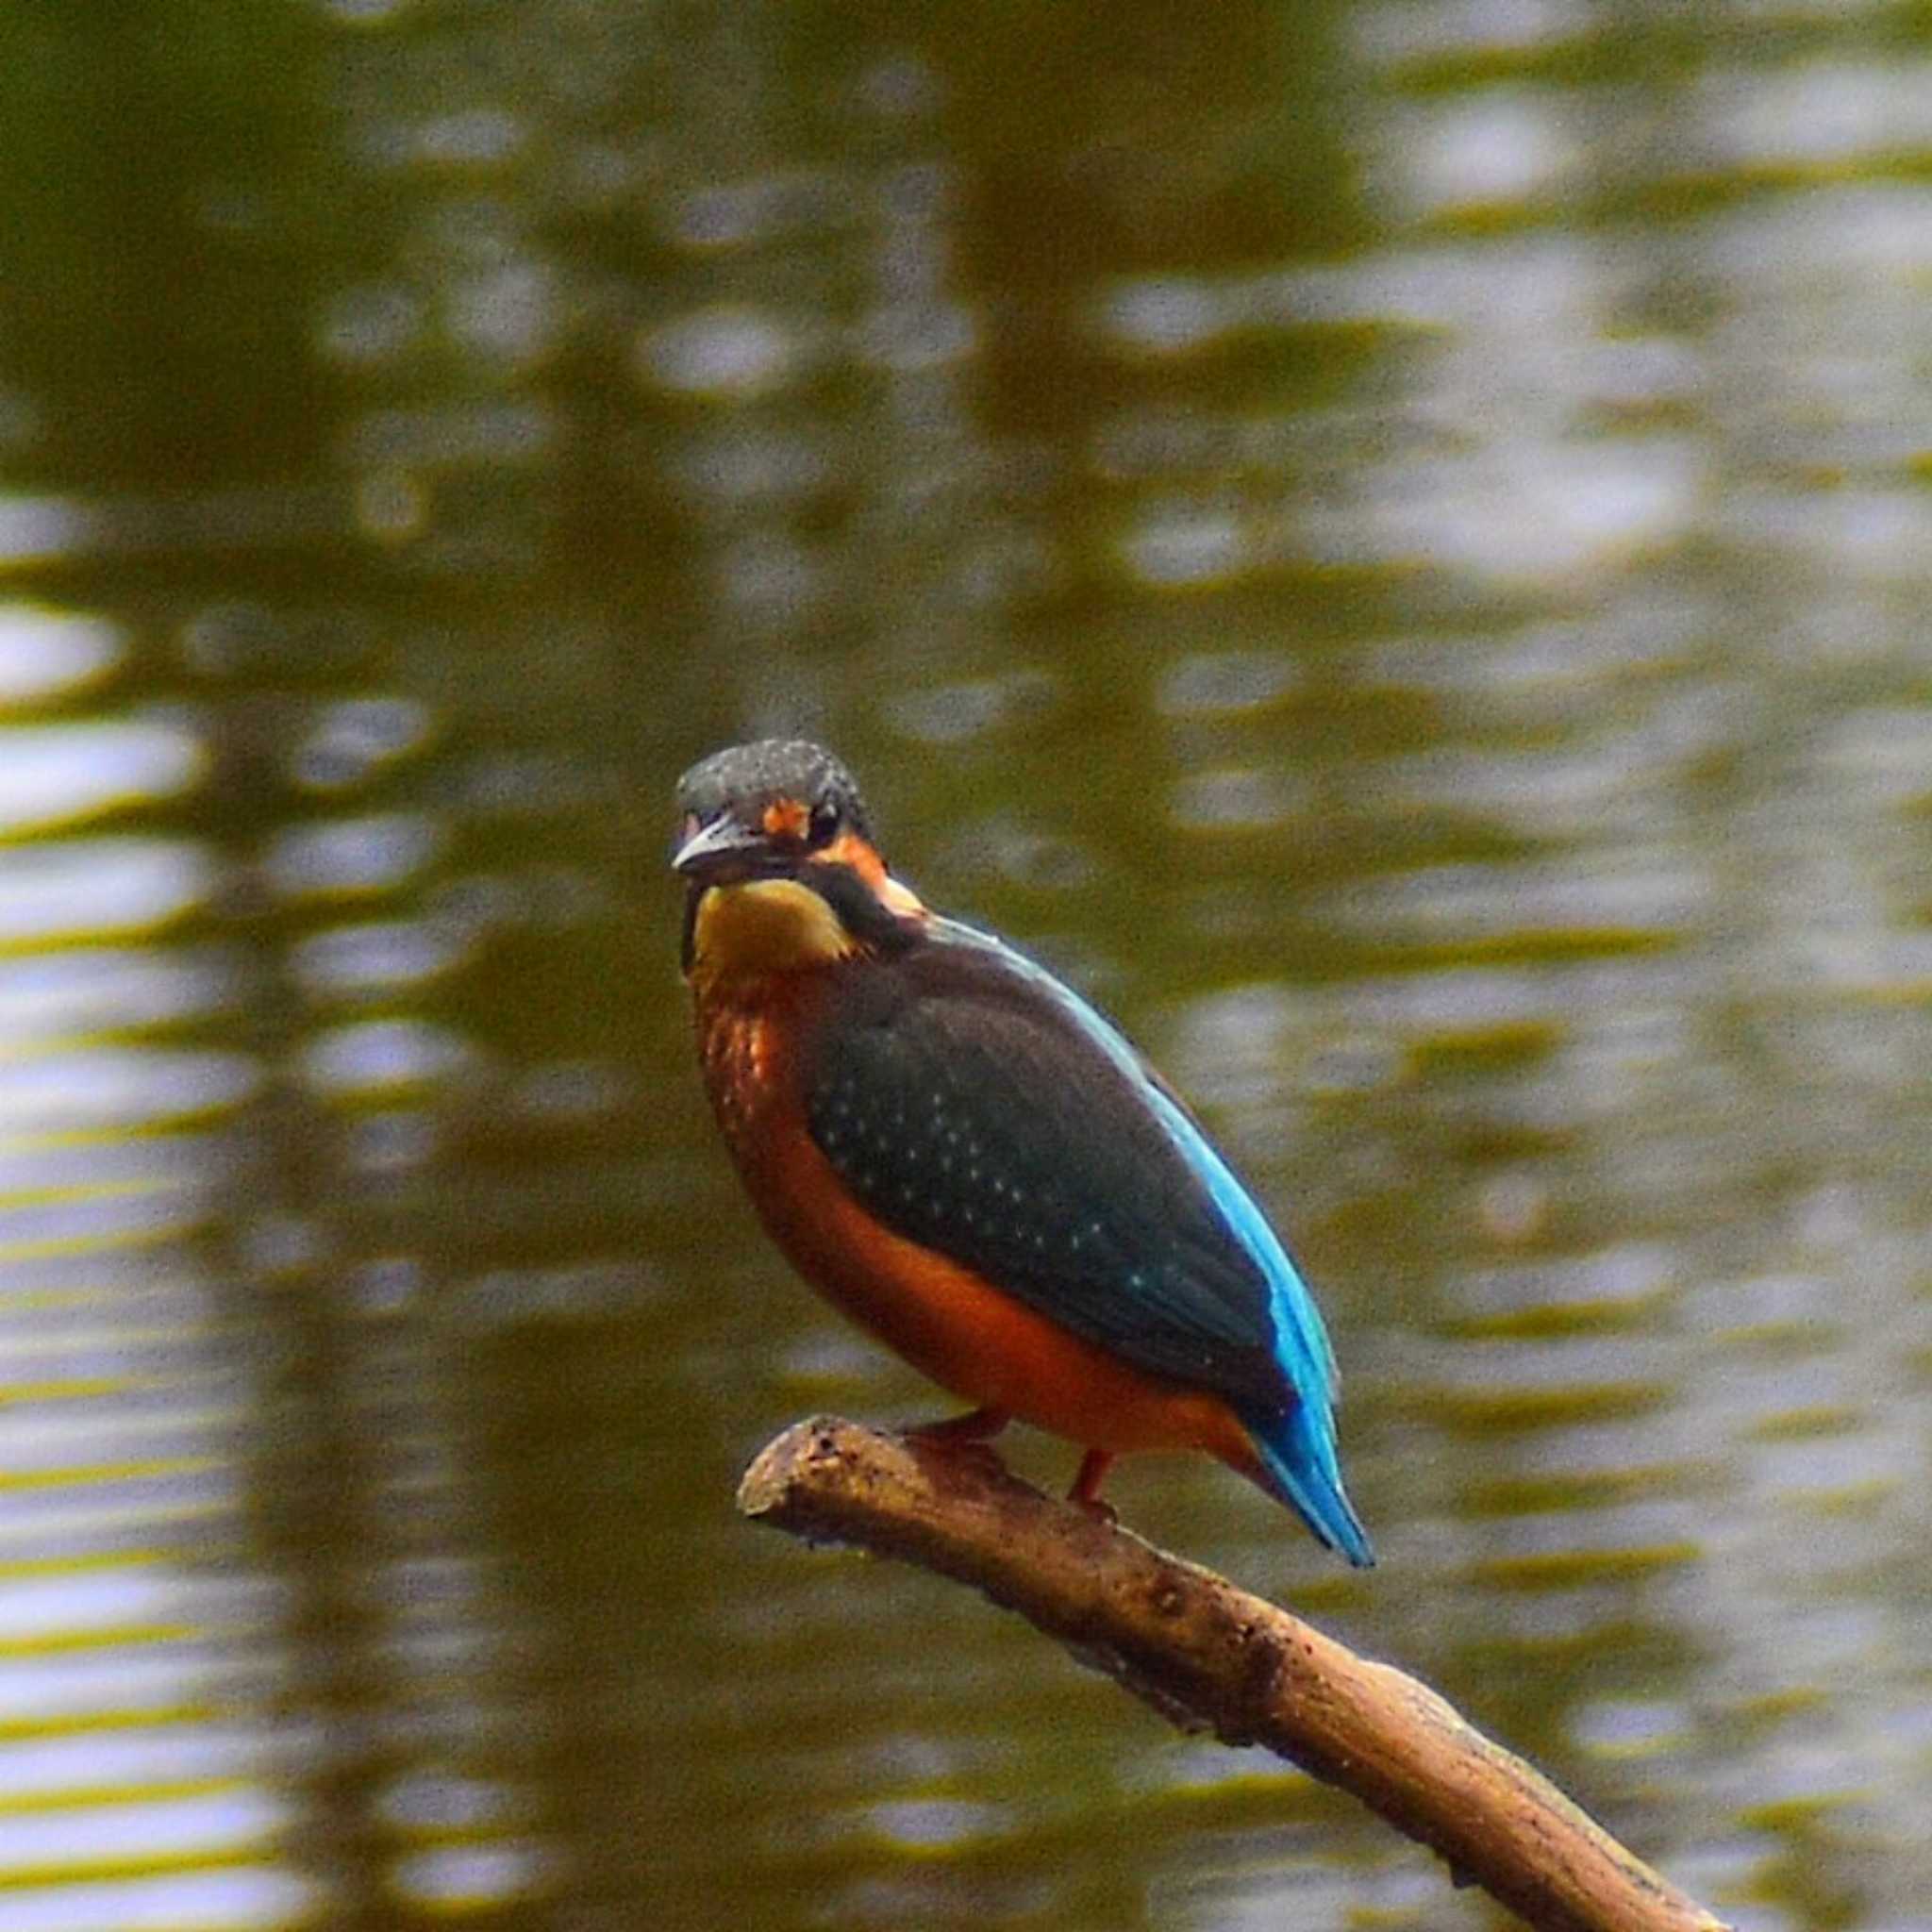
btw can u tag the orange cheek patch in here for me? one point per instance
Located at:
(848, 848)
(786, 818)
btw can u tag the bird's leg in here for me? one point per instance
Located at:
(1086, 1490)
(975, 1425)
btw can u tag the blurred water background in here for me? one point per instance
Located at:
(1391, 542)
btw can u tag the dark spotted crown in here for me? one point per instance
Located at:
(745, 779)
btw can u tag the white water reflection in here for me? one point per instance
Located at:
(52, 774)
(144, 1643)
(380, 1058)
(251, 1898)
(350, 858)
(87, 889)
(93, 990)
(94, 1089)
(46, 653)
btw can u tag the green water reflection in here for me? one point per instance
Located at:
(1388, 542)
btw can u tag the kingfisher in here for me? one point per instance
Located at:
(974, 1166)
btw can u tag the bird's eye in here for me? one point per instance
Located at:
(824, 823)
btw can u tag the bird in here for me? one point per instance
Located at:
(968, 1160)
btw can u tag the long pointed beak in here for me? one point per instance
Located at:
(716, 846)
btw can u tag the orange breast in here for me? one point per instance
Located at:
(949, 1322)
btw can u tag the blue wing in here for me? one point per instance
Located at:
(982, 1108)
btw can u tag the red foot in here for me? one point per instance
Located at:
(1086, 1490)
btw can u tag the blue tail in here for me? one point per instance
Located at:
(1298, 1454)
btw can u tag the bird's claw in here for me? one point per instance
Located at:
(975, 1425)
(964, 1439)
(1086, 1494)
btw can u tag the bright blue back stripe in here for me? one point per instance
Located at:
(1301, 1339)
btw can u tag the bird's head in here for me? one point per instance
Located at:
(781, 873)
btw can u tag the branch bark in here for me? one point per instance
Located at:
(1205, 1653)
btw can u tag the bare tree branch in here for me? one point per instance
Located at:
(1205, 1653)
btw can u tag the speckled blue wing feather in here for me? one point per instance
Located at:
(980, 1107)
